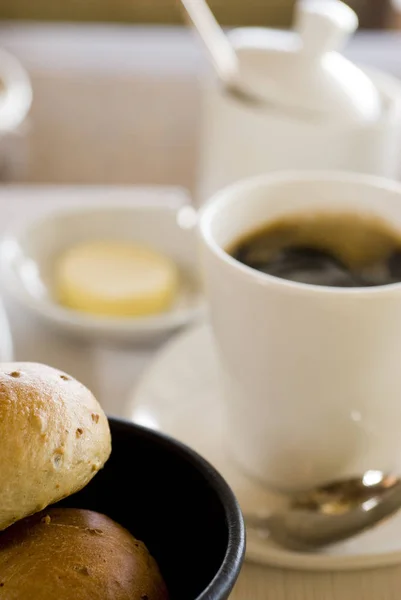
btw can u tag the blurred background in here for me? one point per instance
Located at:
(373, 14)
(116, 95)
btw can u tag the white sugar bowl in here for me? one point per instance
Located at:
(344, 118)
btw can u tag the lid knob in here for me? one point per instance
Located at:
(324, 25)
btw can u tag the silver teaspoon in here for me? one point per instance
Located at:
(332, 513)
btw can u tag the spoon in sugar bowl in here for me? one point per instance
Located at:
(226, 63)
(331, 513)
(309, 80)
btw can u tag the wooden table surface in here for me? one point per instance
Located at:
(114, 121)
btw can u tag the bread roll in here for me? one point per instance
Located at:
(72, 554)
(54, 437)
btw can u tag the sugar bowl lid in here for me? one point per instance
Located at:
(305, 66)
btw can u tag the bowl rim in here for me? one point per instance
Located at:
(223, 582)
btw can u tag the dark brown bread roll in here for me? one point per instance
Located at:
(73, 554)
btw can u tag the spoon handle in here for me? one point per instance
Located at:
(221, 52)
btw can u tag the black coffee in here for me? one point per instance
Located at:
(340, 250)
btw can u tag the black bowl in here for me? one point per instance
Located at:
(169, 497)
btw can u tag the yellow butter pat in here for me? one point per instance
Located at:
(115, 279)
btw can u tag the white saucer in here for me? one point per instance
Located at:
(179, 395)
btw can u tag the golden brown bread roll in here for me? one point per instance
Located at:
(73, 554)
(54, 437)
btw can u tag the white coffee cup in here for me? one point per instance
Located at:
(311, 374)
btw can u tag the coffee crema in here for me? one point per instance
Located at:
(328, 249)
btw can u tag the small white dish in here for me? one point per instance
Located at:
(15, 93)
(179, 395)
(27, 255)
(15, 103)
